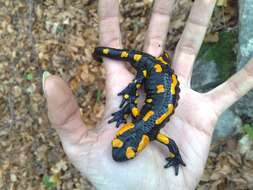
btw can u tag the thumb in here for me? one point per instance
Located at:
(63, 110)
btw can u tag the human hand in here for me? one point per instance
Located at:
(191, 126)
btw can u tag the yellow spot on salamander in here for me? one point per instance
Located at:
(166, 115)
(130, 153)
(171, 155)
(160, 88)
(162, 60)
(148, 115)
(149, 100)
(162, 138)
(137, 94)
(137, 57)
(136, 101)
(158, 68)
(117, 143)
(144, 73)
(173, 84)
(124, 54)
(138, 85)
(167, 55)
(143, 143)
(105, 51)
(135, 111)
(126, 96)
(125, 128)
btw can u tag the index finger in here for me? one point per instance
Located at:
(110, 36)
(109, 29)
(158, 28)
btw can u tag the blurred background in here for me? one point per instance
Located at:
(59, 36)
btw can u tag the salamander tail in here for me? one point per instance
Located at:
(118, 54)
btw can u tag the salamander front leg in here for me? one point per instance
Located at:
(120, 116)
(129, 108)
(174, 159)
(129, 93)
(129, 102)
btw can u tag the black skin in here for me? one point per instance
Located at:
(144, 62)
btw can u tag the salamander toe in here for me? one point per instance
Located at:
(175, 161)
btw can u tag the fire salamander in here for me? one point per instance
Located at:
(161, 86)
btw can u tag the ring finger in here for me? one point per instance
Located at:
(192, 37)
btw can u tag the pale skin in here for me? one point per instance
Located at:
(191, 126)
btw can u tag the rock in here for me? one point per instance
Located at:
(205, 75)
(213, 66)
(228, 122)
(215, 62)
(245, 32)
(245, 106)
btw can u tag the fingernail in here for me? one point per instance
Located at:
(45, 76)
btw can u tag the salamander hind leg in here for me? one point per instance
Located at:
(174, 159)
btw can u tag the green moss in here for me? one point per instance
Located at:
(248, 129)
(222, 53)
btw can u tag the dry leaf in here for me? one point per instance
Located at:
(212, 37)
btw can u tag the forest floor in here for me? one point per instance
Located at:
(60, 37)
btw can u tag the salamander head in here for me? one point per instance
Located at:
(123, 150)
(126, 145)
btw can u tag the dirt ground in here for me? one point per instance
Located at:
(59, 36)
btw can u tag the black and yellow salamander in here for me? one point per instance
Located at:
(161, 86)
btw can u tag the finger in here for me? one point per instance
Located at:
(117, 76)
(109, 29)
(63, 111)
(158, 28)
(233, 89)
(192, 37)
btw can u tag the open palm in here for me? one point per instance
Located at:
(191, 126)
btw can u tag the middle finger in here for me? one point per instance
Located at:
(158, 28)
